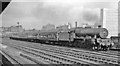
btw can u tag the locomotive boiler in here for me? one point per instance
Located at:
(92, 32)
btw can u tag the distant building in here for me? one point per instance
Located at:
(119, 16)
(109, 19)
(4, 29)
(63, 27)
(85, 25)
(12, 29)
(16, 28)
(48, 27)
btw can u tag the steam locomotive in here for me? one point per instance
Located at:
(86, 38)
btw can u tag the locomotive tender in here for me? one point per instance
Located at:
(87, 38)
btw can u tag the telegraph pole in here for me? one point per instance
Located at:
(76, 24)
(18, 24)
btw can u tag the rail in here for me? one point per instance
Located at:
(11, 59)
(53, 58)
(83, 56)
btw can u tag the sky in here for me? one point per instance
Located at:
(36, 13)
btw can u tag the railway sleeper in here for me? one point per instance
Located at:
(74, 62)
(44, 58)
(65, 60)
(47, 58)
(85, 57)
(95, 58)
(98, 58)
(51, 57)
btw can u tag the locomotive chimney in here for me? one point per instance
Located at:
(99, 26)
(76, 24)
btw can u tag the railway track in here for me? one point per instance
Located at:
(37, 46)
(73, 54)
(77, 55)
(85, 55)
(15, 61)
(51, 57)
(109, 53)
(11, 59)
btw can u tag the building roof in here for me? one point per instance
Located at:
(115, 36)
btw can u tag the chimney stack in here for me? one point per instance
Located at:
(76, 24)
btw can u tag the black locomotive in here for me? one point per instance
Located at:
(87, 38)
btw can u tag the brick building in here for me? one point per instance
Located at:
(48, 27)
